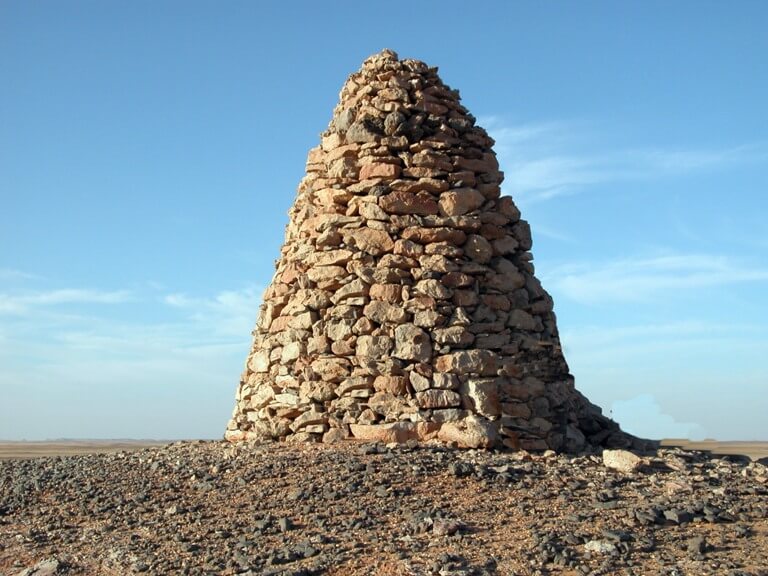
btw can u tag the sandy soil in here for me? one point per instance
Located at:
(754, 449)
(71, 447)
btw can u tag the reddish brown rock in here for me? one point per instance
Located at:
(370, 240)
(420, 203)
(460, 201)
(379, 171)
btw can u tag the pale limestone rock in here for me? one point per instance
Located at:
(371, 211)
(469, 432)
(433, 288)
(482, 362)
(395, 432)
(622, 460)
(370, 240)
(412, 343)
(354, 383)
(445, 381)
(418, 382)
(374, 346)
(291, 352)
(483, 394)
(426, 318)
(352, 289)
(392, 384)
(383, 312)
(386, 404)
(259, 362)
(515, 410)
(435, 398)
(455, 336)
(263, 396)
(448, 415)
(331, 369)
(324, 273)
(340, 328)
(329, 258)
(335, 435)
(307, 419)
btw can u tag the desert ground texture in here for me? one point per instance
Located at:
(209, 507)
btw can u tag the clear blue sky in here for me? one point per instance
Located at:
(149, 152)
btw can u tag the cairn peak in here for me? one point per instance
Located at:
(404, 304)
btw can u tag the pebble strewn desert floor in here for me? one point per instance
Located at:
(214, 508)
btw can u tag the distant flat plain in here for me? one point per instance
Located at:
(755, 449)
(23, 449)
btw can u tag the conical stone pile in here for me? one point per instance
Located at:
(404, 305)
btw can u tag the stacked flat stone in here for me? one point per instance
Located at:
(404, 304)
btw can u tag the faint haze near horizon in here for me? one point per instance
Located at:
(149, 154)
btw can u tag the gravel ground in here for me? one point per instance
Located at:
(216, 508)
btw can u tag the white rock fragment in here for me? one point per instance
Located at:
(621, 460)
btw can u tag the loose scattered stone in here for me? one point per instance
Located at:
(697, 545)
(601, 546)
(445, 527)
(622, 460)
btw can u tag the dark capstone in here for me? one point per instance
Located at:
(461, 125)
(365, 130)
(379, 190)
(736, 459)
(649, 516)
(697, 545)
(306, 550)
(617, 535)
(393, 123)
(461, 469)
(344, 120)
(678, 516)
(284, 524)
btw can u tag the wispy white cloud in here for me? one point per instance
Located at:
(636, 279)
(545, 160)
(622, 345)
(643, 417)
(230, 312)
(675, 379)
(179, 361)
(21, 303)
(555, 234)
(13, 274)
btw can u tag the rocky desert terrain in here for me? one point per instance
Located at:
(349, 508)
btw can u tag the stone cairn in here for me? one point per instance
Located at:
(404, 305)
